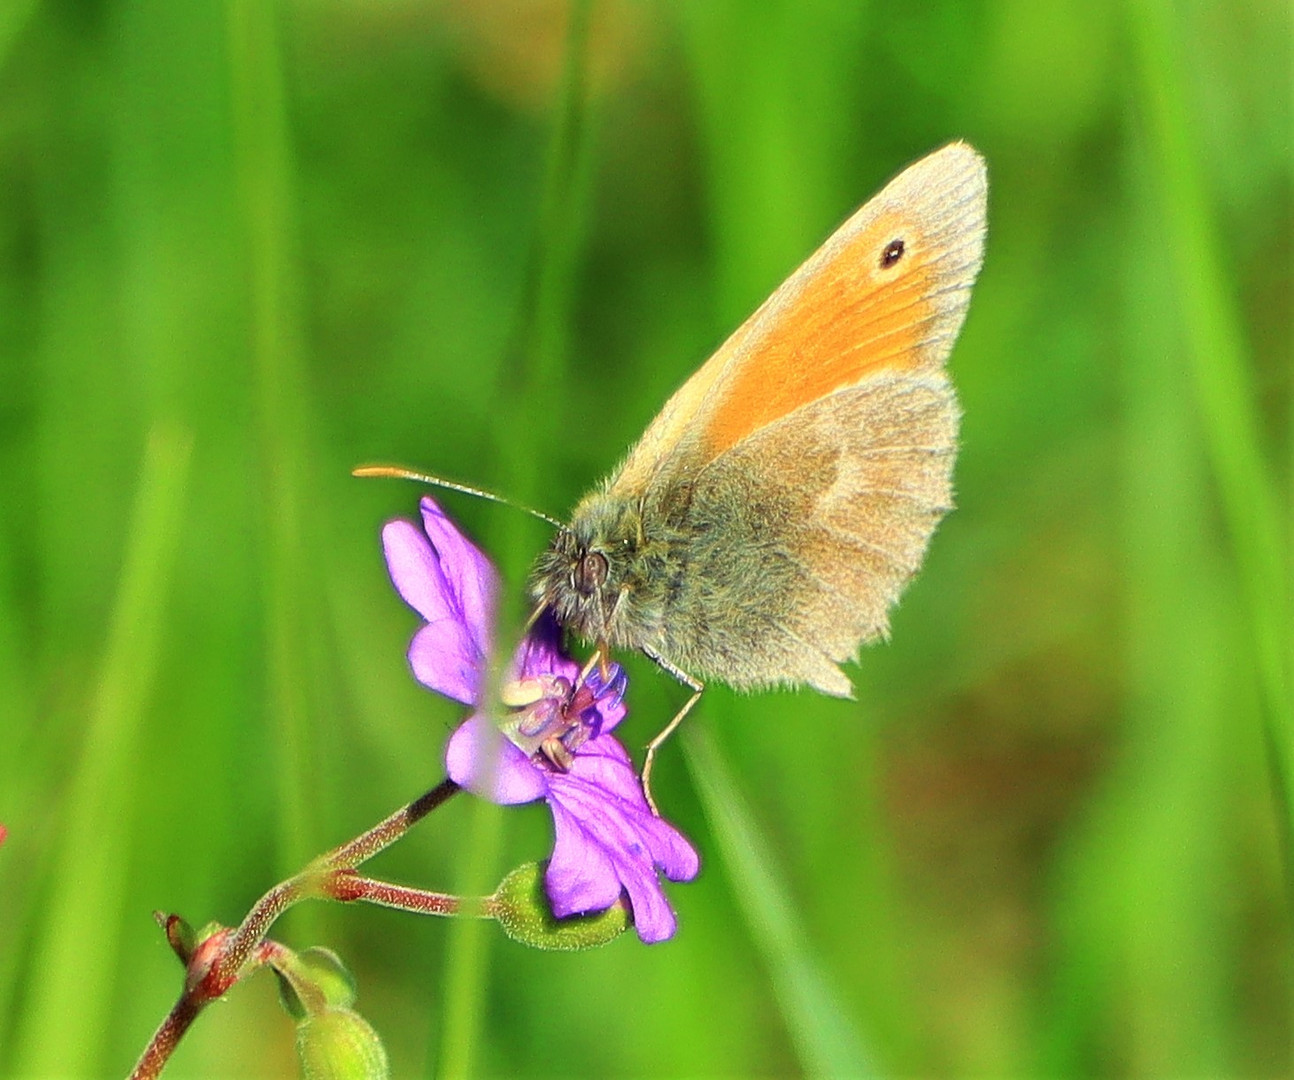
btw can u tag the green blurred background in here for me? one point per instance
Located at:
(246, 246)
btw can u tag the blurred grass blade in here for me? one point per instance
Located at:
(467, 959)
(14, 17)
(824, 1036)
(531, 386)
(1143, 881)
(550, 285)
(530, 383)
(266, 199)
(1223, 378)
(64, 1027)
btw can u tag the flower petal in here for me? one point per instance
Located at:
(603, 796)
(443, 654)
(480, 759)
(605, 766)
(540, 653)
(670, 850)
(415, 571)
(581, 876)
(471, 577)
(654, 919)
(444, 659)
(615, 828)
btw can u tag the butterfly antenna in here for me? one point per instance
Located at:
(399, 472)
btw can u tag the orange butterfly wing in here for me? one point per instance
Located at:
(887, 292)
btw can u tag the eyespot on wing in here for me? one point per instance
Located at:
(888, 291)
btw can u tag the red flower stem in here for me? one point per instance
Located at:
(245, 948)
(348, 887)
(385, 833)
(167, 1037)
(198, 994)
(256, 924)
(310, 882)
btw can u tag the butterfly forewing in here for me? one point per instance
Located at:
(888, 291)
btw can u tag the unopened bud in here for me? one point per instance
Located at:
(179, 935)
(521, 907)
(340, 1045)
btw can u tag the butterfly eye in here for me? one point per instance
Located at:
(892, 253)
(592, 572)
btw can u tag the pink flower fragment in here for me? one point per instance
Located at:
(607, 838)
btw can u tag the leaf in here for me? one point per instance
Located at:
(297, 1000)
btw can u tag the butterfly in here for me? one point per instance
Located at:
(767, 521)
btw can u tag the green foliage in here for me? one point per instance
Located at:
(826, 1040)
(245, 247)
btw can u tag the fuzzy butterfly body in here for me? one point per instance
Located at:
(770, 516)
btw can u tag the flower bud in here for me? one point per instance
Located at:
(521, 907)
(338, 1044)
(179, 935)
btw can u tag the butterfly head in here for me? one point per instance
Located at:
(593, 572)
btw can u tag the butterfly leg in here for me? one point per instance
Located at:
(601, 651)
(601, 659)
(693, 684)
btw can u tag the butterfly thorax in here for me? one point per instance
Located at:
(604, 577)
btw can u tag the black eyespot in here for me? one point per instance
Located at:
(892, 253)
(592, 572)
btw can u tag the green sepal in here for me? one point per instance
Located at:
(522, 909)
(326, 970)
(338, 1044)
(299, 999)
(313, 982)
(209, 930)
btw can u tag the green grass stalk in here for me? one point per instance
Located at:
(1222, 377)
(263, 160)
(67, 1020)
(825, 1038)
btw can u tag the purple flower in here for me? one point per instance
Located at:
(556, 744)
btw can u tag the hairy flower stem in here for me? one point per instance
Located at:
(167, 1037)
(348, 887)
(311, 882)
(331, 876)
(387, 832)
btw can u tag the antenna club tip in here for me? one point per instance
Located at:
(399, 472)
